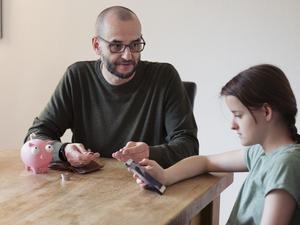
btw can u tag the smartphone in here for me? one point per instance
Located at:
(151, 182)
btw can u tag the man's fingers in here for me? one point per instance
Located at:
(80, 147)
(88, 157)
(130, 144)
(83, 160)
(78, 156)
(96, 155)
(132, 150)
(119, 156)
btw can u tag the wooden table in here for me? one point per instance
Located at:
(109, 196)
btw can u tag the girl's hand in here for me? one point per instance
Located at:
(154, 169)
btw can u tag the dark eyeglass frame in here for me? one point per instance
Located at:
(124, 46)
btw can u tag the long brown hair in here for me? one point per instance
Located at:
(265, 83)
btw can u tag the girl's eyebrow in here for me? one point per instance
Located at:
(235, 111)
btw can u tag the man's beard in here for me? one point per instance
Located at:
(112, 67)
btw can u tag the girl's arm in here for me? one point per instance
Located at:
(279, 208)
(232, 161)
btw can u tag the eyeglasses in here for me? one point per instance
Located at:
(134, 47)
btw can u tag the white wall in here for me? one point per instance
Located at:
(207, 41)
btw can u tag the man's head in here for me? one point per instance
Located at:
(118, 40)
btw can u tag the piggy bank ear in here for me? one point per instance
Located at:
(49, 148)
(35, 150)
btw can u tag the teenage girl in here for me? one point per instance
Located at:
(264, 110)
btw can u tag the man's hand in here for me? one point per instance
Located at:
(78, 156)
(133, 150)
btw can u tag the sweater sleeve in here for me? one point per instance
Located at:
(180, 125)
(56, 116)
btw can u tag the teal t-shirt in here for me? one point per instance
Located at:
(277, 170)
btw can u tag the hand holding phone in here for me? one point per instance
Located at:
(150, 182)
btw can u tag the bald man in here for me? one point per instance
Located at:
(119, 106)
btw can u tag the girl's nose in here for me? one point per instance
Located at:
(234, 125)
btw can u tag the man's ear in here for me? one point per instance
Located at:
(96, 45)
(268, 111)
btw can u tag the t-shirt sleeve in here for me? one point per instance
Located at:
(285, 175)
(252, 155)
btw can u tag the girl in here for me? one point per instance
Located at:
(264, 109)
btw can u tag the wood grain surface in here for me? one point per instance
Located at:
(109, 196)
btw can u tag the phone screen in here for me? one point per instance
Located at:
(151, 182)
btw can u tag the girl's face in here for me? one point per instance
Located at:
(249, 129)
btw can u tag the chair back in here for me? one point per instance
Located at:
(190, 88)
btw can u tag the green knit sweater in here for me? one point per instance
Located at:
(152, 107)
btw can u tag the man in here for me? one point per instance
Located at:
(119, 106)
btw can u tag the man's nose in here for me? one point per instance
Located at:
(127, 53)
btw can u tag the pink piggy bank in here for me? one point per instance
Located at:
(36, 155)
